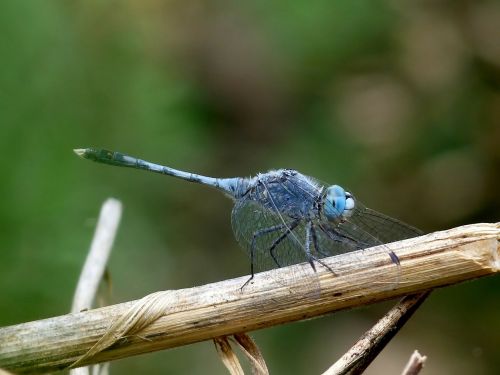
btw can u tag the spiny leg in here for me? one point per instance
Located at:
(255, 236)
(281, 238)
(314, 237)
(342, 238)
(391, 253)
(358, 244)
(315, 242)
(346, 239)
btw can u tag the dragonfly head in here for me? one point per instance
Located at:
(338, 204)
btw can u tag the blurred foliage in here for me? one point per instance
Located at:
(399, 101)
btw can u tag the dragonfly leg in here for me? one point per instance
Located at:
(277, 241)
(315, 242)
(255, 236)
(314, 237)
(345, 238)
(342, 238)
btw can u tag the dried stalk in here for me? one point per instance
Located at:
(173, 318)
(364, 351)
(95, 266)
(415, 364)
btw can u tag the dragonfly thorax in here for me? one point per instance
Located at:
(338, 204)
(286, 192)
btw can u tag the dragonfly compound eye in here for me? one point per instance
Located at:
(338, 203)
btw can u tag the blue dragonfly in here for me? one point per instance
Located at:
(283, 217)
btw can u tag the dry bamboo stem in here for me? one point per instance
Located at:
(185, 316)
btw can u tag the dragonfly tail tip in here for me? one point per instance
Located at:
(80, 152)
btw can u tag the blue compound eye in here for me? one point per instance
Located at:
(338, 203)
(334, 203)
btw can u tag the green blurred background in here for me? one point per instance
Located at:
(399, 101)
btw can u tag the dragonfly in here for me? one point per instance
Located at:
(283, 217)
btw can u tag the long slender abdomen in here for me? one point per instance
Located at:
(230, 186)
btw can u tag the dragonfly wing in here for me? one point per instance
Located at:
(372, 228)
(329, 240)
(267, 233)
(276, 240)
(364, 228)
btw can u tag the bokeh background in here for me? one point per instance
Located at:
(398, 100)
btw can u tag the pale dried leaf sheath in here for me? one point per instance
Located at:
(415, 364)
(95, 266)
(227, 356)
(218, 309)
(98, 255)
(252, 352)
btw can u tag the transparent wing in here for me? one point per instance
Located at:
(270, 239)
(329, 240)
(274, 240)
(370, 228)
